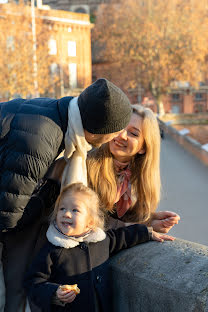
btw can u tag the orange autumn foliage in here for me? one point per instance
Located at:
(152, 43)
(16, 53)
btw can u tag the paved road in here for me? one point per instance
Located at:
(185, 191)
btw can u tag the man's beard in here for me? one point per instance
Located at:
(96, 144)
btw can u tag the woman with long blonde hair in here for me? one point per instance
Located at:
(125, 173)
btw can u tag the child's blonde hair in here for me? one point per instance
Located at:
(92, 203)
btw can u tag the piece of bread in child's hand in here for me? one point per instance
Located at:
(71, 287)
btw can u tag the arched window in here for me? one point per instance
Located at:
(80, 10)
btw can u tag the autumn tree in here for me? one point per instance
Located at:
(153, 43)
(17, 53)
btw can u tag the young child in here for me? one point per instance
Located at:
(77, 252)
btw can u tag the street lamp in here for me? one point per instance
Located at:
(35, 66)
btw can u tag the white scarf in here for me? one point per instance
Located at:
(76, 148)
(56, 238)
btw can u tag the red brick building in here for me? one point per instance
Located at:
(71, 41)
(185, 101)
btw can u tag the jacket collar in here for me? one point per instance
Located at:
(63, 105)
(56, 238)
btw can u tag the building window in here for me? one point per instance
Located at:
(52, 47)
(202, 84)
(80, 10)
(175, 97)
(198, 96)
(72, 48)
(199, 108)
(10, 43)
(175, 109)
(73, 75)
(53, 69)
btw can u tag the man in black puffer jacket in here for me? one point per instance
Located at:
(32, 134)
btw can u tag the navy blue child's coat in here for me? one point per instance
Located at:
(85, 265)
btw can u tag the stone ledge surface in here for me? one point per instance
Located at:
(186, 142)
(161, 277)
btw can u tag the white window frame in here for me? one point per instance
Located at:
(72, 48)
(53, 69)
(72, 75)
(10, 43)
(52, 47)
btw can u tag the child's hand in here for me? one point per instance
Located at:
(161, 237)
(65, 295)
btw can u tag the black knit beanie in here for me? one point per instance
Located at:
(104, 108)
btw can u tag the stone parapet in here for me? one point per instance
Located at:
(185, 141)
(177, 119)
(161, 277)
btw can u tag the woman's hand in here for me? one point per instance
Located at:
(163, 221)
(161, 237)
(65, 295)
(56, 169)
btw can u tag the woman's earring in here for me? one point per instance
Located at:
(142, 151)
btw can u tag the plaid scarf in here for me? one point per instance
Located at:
(123, 197)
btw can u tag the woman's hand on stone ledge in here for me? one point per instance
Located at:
(161, 237)
(163, 221)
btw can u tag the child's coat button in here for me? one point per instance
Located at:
(99, 278)
(83, 246)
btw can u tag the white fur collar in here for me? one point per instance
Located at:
(58, 239)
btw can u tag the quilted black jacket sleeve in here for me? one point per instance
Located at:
(31, 137)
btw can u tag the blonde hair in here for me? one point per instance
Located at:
(92, 203)
(145, 169)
